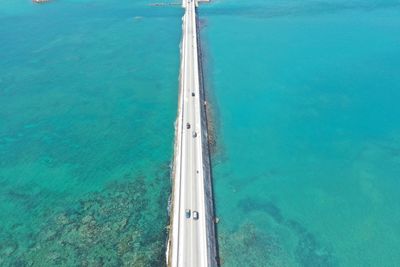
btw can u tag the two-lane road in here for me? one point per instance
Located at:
(188, 242)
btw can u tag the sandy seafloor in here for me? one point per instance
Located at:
(306, 100)
(88, 96)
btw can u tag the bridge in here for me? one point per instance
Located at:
(192, 240)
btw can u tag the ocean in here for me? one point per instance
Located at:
(88, 98)
(305, 96)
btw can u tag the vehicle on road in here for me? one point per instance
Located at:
(193, 94)
(194, 134)
(195, 215)
(187, 125)
(187, 213)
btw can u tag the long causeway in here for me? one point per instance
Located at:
(192, 230)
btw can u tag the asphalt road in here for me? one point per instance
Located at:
(189, 242)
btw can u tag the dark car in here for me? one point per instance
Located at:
(187, 125)
(187, 213)
(193, 94)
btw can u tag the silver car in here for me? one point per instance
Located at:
(195, 215)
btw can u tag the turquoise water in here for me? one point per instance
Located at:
(306, 96)
(88, 96)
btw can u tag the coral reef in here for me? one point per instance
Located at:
(308, 251)
(123, 225)
(211, 129)
(259, 248)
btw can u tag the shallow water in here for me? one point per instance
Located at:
(308, 134)
(308, 137)
(88, 96)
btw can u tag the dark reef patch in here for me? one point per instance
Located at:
(211, 130)
(249, 205)
(211, 108)
(308, 251)
(122, 225)
(257, 248)
(302, 8)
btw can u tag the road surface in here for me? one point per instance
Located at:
(189, 243)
